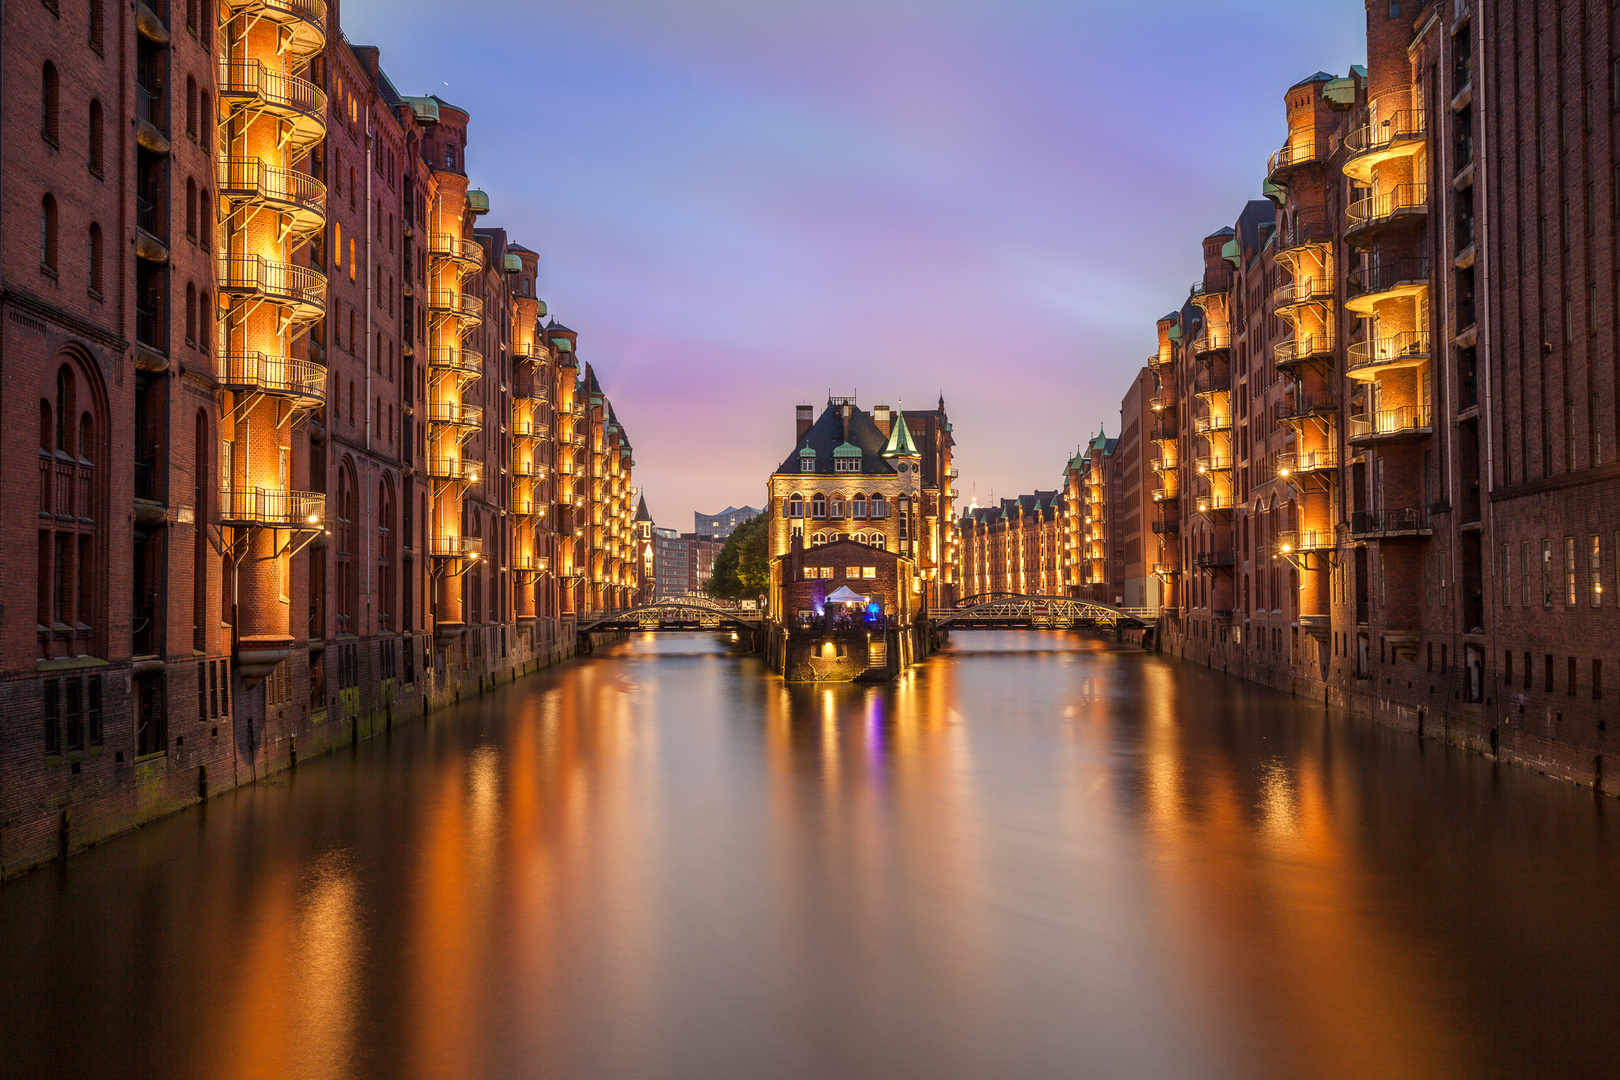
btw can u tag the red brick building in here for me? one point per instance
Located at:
(1386, 414)
(305, 455)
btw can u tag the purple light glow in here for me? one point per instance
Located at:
(740, 206)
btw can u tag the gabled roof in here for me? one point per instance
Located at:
(900, 444)
(827, 433)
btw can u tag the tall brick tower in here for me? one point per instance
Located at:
(270, 116)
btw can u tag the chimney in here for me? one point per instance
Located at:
(804, 416)
(882, 418)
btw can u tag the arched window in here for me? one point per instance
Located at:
(98, 25)
(193, 15)
(876, 507)
(836, 507)
(71, 586)
(191, 106)
(47, 233)
(191, 313)
(857, 506)
(449, 157)
(819, 538)
(879, 541)
(348, 523)
(205, 322)
(795, 506)
(390, 542)
(818, 506)
(205, 215)
(97, 137)
(50, 97)
(191, 208)
(96, 259)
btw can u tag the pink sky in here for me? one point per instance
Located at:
(742, 204)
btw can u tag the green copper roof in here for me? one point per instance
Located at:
(845, 450)
(1100, 442)
(1232, 252)
(900, 444)
(806, 451)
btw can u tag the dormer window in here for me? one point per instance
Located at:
(847, 464)
(807, 464)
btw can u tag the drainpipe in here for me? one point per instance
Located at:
(370, 273)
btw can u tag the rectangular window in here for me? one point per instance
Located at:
(852, 571)
(1546, 573)
(1524, 572)
(1570, 597)
(1594, 570)
(868, 571)
(1507, 575)
(1547, 672)
(94, 726)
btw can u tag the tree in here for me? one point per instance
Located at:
(742, 570)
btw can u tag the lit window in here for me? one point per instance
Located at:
(795, 507)
(857, 507)
(818, 508)
(837, 506)
(868, 571)
(877, 507)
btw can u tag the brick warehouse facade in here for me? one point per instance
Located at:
(1384, 419)
(306, 457)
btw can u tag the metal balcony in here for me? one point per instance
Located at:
(531, 564)
(1402, 422)
(1301, 151)
(1163, 402)
(1213, 560)
(465, 255)
(1165, 494)
(1404, 521)
(1313, 289)
(1211, 383)
(1168, 527)
(1212, 340)
(1303, 406)
(1301, 349)
(456, 547)
(1304, 462)
(301, 22)
(1408, 202)
(456, 414)
(298, 104)
(453, 469)
(530, 470)
(465, 363)
(1292, 543)
(449, 303)
(538, 393)
(1208, 463)
(1392, 125)
(255, 182)
(302, 381)
(274, 508)
(299, 289)
(1368, 358)
(1397, 278)
(1203, 425)
(1212, 504)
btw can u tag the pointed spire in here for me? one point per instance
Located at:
(900, 444)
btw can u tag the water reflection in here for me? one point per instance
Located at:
(1034, 855)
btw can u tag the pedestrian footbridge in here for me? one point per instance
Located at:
(1011, 611)
(678, 615)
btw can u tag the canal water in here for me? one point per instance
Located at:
(1032, 856)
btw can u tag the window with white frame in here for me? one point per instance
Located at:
(857, 507)
(795, 506)
(876, 507)
(837, 508)
(807, 464)
(818, 507)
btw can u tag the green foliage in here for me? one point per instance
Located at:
(742, 570)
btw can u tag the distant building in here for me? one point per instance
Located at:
(682, 563)
(721, 525)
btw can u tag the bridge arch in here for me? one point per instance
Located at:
(701, 611)
(1020, 608)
